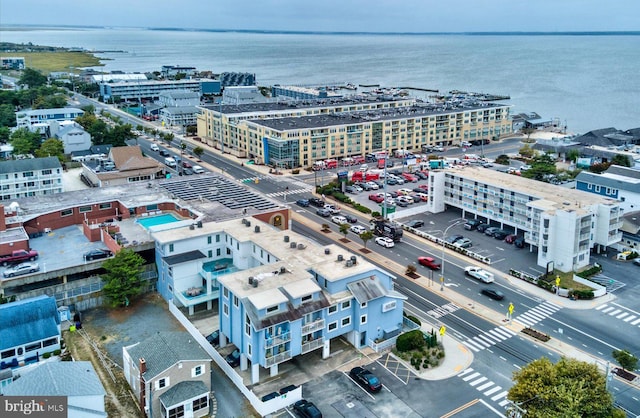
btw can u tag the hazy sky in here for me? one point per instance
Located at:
(333, 15)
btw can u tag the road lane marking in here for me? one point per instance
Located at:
(478, 381)
(492, 391)
(472, 376)
(499, 395)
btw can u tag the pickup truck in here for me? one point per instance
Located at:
(18, 256)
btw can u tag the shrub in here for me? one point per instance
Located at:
(581, 294)
(414, 319)
(411, 268)
(410, 341)
(295, 171)
(57, 352)
(361, 208)
(440, 354)
(375, 214)
(46, 355)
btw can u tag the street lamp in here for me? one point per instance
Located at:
(444, 235)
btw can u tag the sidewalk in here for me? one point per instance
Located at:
(457, 357)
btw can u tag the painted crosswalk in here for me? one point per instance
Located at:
(626, 315)
(290, 192)
(443, 310)
(488, 388)
(489, 338)
(537, 314)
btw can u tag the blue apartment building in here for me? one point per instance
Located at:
(280, 295)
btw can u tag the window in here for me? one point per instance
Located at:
(272, 309)
(225, 292)
(307, 298)
(363, 319)
(346, 305)
(84, 209)
(333, 309)
(332, 326)
(176, 412)
(201, 403)
(105, 206)
(198, 370)
(225, 309)
(49, 342)
(346, 321)
(170, 248)
(8, 353)
(162, 383)
(66, 212)
(209, 240)
(32, 347)
(363, 305)
(217, 238)
(218, 252)
(235, 301)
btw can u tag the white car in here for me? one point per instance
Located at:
(197, 169)
(405, 199)
(373, 185)
(339, 220)
(333, 209)
(480, 274)
(20, 269)
(357, 229)
(385, 242)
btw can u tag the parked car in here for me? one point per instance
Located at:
(20, 269)
(404, 191)
(337, 219)
(233, 358)
(314, 201)
(214, 337)
(391, 181)
(500, 234)
(350, 189)
(491, 230)
(270, 396)
(366, 379)
(373, 185)
(357, 229)
(519, 242)
(493, 293)
(463, 243)
(472, 224)
(452, 239)
(510, 238)
(323, 212)
(401, 203)
(421, 175)
(636, 261)
(350, 218)
(415, 223)
(405, 199)
(187, 172)
(97, 254)
(376, 197)
(429, 262)
(482, 227)
(307, 409)
(302, 202)
(385, 242)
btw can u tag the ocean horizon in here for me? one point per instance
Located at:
(584, 80)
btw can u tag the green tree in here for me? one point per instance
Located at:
(541, 166)
(344, 229)
(7, 115)
(122, 278)
(198, 151)
(192, 130)
(168, 138)
(625, 359)
(366, 236)
(528, 131)
(5, 134)
(621, 160)
(52, 147)
(569, 388)
(502, 159)
(527, 151)
(24, 141)
(32, 78)
(573, 155)
(599, 167)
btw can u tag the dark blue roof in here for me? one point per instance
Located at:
(28, 320)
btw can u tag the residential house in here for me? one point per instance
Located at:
(123, 165)
(77, 381)
(619, 183)
(30, 328)
(30, 177)
(72, 135)
(169, 374)
(32, 118)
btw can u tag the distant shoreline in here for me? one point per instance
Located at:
(27, 27)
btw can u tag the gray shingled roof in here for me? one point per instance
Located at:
(366, 290)
(60, 378)
(183, 391)
(29, 164)
(184, 257)
(165, 349)
(28, 320)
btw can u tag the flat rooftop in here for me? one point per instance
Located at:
(558, 197)
(351, 118)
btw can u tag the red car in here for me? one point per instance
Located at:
(376, 198)
(509, 239)
(429, 262)
(186, 164)
(424, 186)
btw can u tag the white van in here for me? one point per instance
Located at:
(170, 162)
(154, 147)
(197, 169)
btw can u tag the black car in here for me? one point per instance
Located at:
(214, 338)
(97, 254)
(302, 202)
(270, 396)
(287, 389)
(366, 379)
(233, 359)
(415, 223)
(493, 294)
(317, 202)
(501, 234)
(519, 242)
(452, 239)
(163, 153)
(421, 176)
(472, 224)
(350, 218)
(481, 227)
(307, 409)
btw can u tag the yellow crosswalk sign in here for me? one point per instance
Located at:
(511, 308)
(442, 330)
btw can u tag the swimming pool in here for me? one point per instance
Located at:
(165, 218)
(220, 267)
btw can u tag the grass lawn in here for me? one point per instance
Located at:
(47, 62)
(566, 281)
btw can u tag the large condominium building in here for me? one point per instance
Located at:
(297, 134)
(279, 294)
(152, 89)
(31, 118)
(564, 224)
(30, 177)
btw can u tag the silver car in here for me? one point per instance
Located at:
(20, 269)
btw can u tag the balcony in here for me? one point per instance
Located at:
(278, 358)
(277, 340)
(312, 345)
(312, 326)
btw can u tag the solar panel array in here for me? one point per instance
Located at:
(219, 190)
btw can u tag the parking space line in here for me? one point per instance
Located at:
(394, 374)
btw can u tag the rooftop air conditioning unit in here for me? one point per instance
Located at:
(250, 279)
(244, 221)
(256, 229)
(349, 263)
(282, 269)
(199, 224)
(327, 251)
(255, 283)
(340, 257)
(286, 238)
(192, 227)
(293, 245)
(353, 259)
(248, 224)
